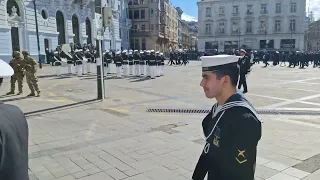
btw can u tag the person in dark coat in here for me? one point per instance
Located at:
(13, 137)
(232, 129)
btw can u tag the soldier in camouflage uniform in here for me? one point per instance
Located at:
(31, 77)
(17, 65)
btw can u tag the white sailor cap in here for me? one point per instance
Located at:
(157, 52)
(161, 54)
(141, 52)
(148, 51)
(242, 50)
(130, 52)
(218, 62)
(118, 52)
(152, 51)
(124, 51)
(5, 69)
(135, 50)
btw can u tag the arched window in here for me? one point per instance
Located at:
(75, 29)
(88, 31)
(60, 28)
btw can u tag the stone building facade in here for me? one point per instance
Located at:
(261, 24)
(59, 22)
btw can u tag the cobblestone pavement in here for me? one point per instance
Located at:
(72, 137)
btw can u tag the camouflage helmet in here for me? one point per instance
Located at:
(25, 52)
(16, 54)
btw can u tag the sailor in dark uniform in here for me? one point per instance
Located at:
(162, 64)
(244, 63)
(136, 59)
(79, 61)
(125, 63)
(142, 63)
(70, 62)
(130, 57)
(57, 62)
(14, 135)
(108, 55)
(158, 62)
(232, 129)
(118, 61)
(152, 64)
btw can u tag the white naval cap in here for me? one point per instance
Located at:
(218, 62)
(135, 50)
(148, 51)
(157, 52)
(130, 52)
(161, 54)
(5, 69)
(141, 52)
(242, 50)
(118, 52)
(152, 51)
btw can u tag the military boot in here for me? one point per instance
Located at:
(11, 92)
(20, 93)
(31, 94)
(38, 93)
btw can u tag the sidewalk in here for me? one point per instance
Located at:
(118, 139)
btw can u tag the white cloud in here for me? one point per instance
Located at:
(186, 17)
(313, 5)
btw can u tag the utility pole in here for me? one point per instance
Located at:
(37, 32)
(100, 74)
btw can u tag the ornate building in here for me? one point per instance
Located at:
(59, 22)
(261, 25)
(125, 24)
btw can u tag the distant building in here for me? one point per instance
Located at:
(154, 25)
(261, 25)
(312, 36)
(180, 12)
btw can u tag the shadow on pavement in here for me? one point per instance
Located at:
(140, 80)
(15, 99)
(59, 108)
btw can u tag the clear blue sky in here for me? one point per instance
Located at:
(189, 7)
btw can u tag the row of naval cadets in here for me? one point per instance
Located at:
(78, 60)
(136, 64)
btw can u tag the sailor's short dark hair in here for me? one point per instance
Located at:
(232, 72)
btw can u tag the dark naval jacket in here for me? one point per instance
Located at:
(232, 133)
(13, 143)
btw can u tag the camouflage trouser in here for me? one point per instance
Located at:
(32, 81)
(17, 77)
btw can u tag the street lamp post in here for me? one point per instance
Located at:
(37, 32)
(100, 76)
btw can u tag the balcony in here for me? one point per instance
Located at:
(235, 14)
(249, 13)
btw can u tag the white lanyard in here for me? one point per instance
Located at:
(224, 108)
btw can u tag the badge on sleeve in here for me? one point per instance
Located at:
(241, 158)
(216, 136)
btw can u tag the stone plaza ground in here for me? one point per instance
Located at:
(73, 136)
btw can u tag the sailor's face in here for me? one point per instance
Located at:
(211, 85)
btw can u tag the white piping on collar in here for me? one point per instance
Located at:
(223, 110)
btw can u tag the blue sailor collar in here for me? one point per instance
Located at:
(235, 100)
